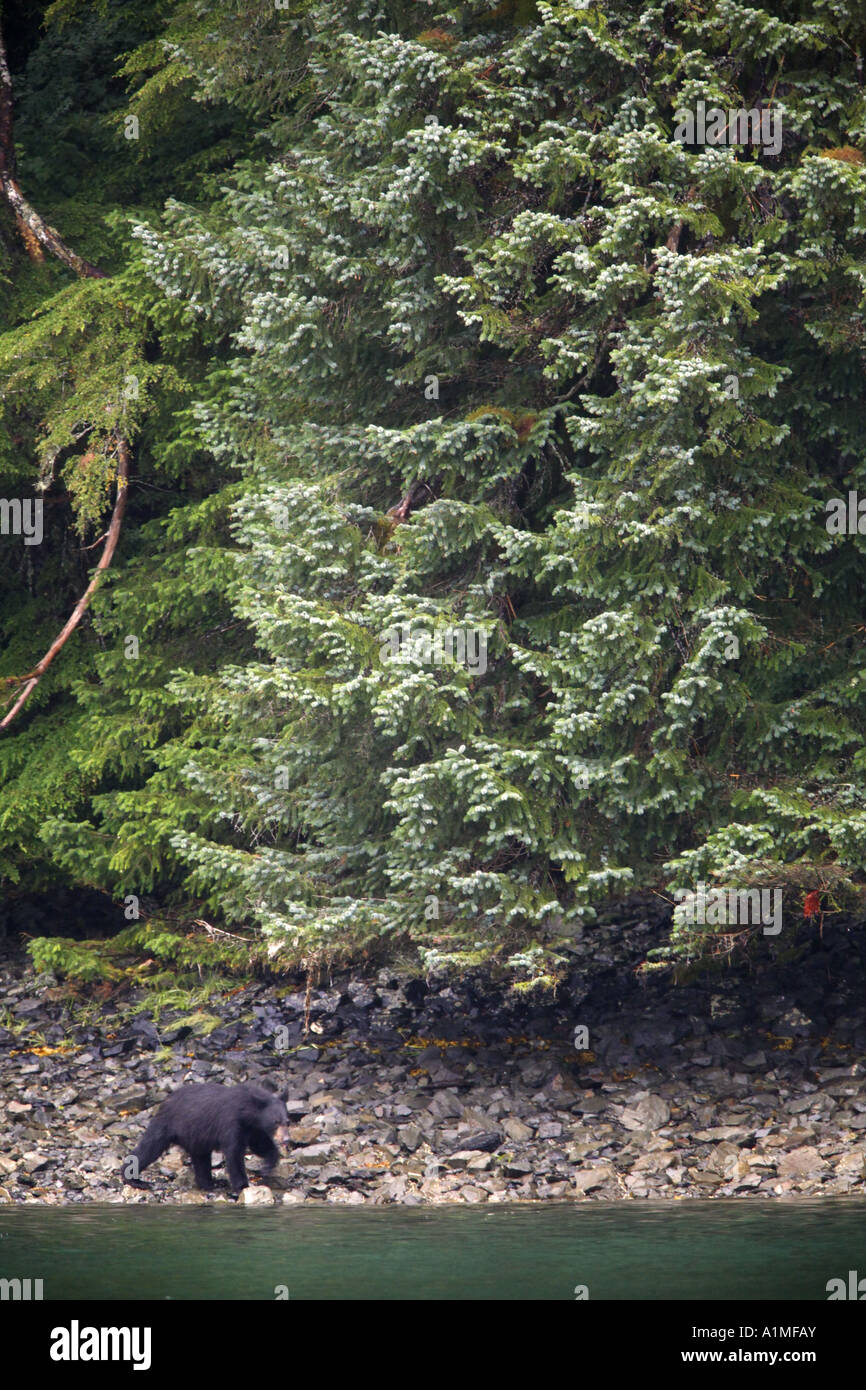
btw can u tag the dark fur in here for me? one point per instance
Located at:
(201, 1118)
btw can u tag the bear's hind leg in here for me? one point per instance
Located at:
(150, 1147)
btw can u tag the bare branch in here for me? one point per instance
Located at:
(34, 231)
(404, 508)
(112, 537)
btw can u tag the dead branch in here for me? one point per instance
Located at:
(402, 510)
(35, 232)
(218, 931)
(112, 537)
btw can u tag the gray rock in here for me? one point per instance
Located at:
(516, 1168)
(653, 1112)
(464, 1158)
(588, 1178)
(852, 1162)
(516, 1130)
(483, 1141)
(33, 1162)
(304, 1134)
(800, 1163)
(410, 1136)
(590, 1105)
(445, 1105)
(313, 1153)
(756, 1061)
(256, 1197)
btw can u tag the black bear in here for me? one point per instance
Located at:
(201, 1118)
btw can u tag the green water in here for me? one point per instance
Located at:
(619, 1250)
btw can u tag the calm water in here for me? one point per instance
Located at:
(620, 1250)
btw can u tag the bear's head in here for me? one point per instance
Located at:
(273, 1115)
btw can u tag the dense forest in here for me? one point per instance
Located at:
(429, 467)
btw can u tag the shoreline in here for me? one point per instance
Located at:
(433, 1092)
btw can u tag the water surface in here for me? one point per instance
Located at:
(619, 1250)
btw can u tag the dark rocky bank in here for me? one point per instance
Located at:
(748, 1082)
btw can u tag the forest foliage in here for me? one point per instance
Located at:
(423, 325)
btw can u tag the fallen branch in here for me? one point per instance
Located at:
(112, 537)
(35, 232)
(45, 235)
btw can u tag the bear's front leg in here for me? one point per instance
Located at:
(234, 1157)
(270, 1155)
(201, 1166)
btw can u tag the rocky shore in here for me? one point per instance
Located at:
(751, 1082)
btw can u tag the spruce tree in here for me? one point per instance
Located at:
(517, 353)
